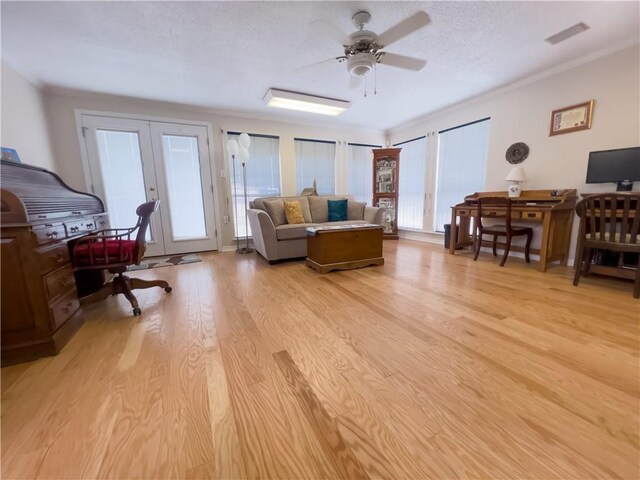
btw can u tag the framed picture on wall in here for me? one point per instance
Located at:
(571, 119)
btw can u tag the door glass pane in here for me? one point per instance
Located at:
(121, 168)
(182, 169)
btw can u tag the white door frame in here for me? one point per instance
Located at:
(78, 112)
(155, 246)
(172, 245)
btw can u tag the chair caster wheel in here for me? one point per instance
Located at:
(137, 311)
(168, 289)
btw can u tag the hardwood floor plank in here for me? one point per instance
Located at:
(334, 446)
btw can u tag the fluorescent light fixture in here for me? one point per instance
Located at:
(567, 33)
(304, 103)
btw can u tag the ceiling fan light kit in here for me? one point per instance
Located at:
(304, 103)
(361, 64)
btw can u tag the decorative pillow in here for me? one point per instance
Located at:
(275, 209)
(337, 210)
(355, 210)
(293, 212)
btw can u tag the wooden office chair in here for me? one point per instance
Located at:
(608, 221)
(114, 250)
(499, 207)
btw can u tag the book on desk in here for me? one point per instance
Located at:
(553, 209)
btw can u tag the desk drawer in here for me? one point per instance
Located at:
(48, 233)
(532, 215)
(101, 222)
(59, 281)
(53, 257)
(63, 308)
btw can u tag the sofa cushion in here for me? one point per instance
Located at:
(337, 210)
(319, 209)
(294, 231)
(293, 212)
(259, 203)
(306, 212)
(275, 209)
(355, 210)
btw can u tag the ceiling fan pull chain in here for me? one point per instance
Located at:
(375, 78)
(365, 87)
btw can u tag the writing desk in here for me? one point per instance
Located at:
(553, 209)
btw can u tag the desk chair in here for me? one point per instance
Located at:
(499, 207)
(114, 250)
(608, 221)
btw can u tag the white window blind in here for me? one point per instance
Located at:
(360, 172)
(462, 161)
(412, 183)
(263, 175)
(316, 160)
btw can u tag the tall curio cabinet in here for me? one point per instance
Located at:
(386, 167)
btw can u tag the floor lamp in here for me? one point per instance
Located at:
(245, 141)
(232, 149)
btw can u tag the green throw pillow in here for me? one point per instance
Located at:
(337, 210)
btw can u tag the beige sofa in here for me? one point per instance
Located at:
(276, 240)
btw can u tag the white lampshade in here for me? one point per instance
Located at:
(244, 155)
(244, 140)
(517, 175)
(232, 147)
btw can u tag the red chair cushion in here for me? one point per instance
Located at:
(118, 251)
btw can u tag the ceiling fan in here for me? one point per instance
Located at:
(363, 48)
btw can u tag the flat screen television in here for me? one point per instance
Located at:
(621, 166)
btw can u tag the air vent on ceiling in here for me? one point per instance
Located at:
(567, 33)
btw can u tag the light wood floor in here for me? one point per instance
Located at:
(431, 366)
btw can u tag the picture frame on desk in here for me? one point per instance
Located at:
(571, 119)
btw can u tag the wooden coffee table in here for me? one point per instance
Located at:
(343, 247)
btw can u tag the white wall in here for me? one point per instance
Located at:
(61, 106)
(23, 120)
(523, 114)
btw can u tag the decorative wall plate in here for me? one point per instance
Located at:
(517, 153)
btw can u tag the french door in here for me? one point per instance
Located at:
(134, 161)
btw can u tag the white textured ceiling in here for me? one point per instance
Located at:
(227, 54)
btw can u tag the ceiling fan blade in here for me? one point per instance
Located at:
(354, 82)
(331, 31)
(402, 61)
(315, 65)
(404, 28)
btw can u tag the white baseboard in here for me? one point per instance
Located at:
(419, 236)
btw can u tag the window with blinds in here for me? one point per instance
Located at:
(316, 160)
(263, 175)
(462, 161)
(412, 181)
(359, 169)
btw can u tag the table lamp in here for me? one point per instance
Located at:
(517, 176)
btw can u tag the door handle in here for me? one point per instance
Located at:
(152, 189)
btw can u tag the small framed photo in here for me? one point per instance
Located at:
(571, 119)
(10, 154)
